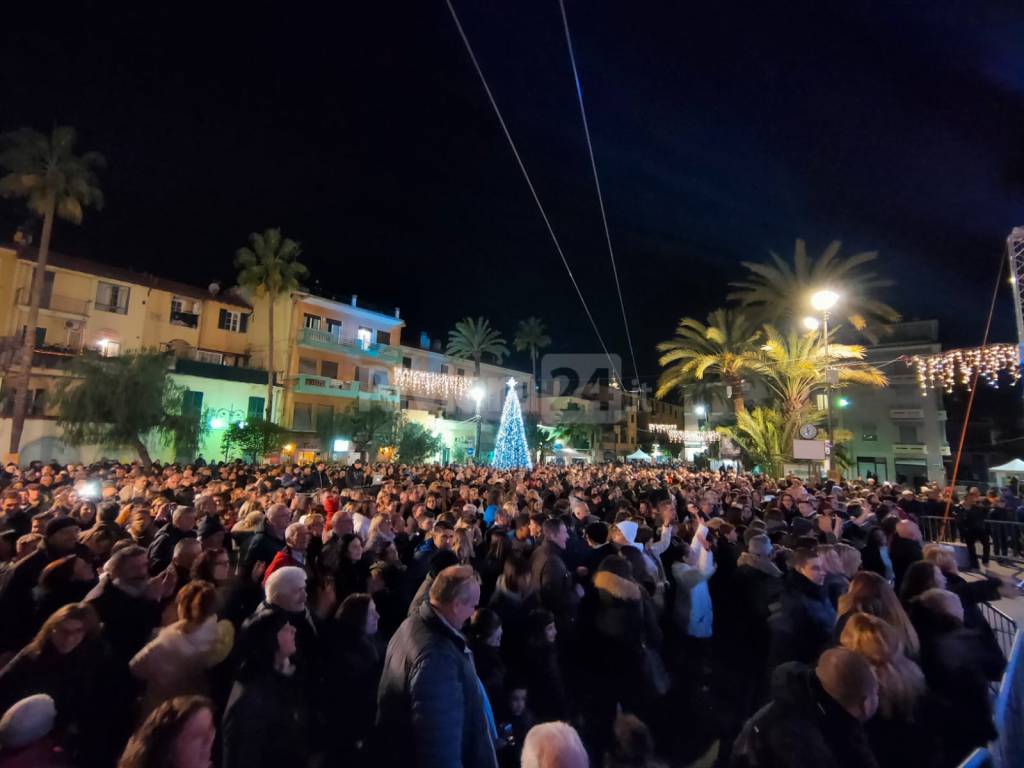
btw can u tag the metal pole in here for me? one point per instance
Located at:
(476, 459)
(828, 391)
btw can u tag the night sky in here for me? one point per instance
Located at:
(720, 133)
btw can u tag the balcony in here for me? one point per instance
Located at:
(186, 367)
(328, 342)
(306, 384)
(56, 303)
(54, 357)
(187, 319)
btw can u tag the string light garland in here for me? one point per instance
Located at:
(946, 370)
(510, 451)
(676, 435)
(444, 385)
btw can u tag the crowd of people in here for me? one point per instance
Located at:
(445, 616)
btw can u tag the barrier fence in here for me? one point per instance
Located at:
(1001, 539)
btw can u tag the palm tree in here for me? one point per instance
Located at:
(268, 268)
(532, 335)
(472, 339)
(765, 435)
(726, 347)
(56, 183)
(795, 365)
(778, 291)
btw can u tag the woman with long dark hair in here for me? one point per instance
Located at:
(177, 734)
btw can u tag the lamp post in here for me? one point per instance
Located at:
(477, 393)
(823, 301)
(700, 412)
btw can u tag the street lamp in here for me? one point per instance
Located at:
(700, 411)
(477, 392)
(811, 323)
(823, 301)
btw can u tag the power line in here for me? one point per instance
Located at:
(597, 182)
(529, 183)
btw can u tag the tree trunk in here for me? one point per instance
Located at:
(270, 363)
(738, 405)
(536, 384)
(29, 342)
(143, 452)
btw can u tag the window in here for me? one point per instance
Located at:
(40, 336)
(325, 418)
(308, 366)
(407, 363)
(334, 328)
(192, 403)
(302, 417)
(311, 321)
(444, 369)
(380, 378)
(108, 348)
(383, 337)
(112, 298)
(236, 322)
(460, 371)
(908, 433)
(364, 336)
(329, 368)
(257, 405)
(206, 356)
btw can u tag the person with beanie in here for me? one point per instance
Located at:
(26, 735)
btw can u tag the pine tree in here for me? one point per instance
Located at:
(510, 451)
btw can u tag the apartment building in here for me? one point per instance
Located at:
(331, 356)
(87, 305)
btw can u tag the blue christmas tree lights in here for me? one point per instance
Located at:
(510, 449)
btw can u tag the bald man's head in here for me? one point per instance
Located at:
(848, 678)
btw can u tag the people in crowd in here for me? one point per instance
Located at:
(432, 615)
(554, 745)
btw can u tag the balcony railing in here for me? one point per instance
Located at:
(187, 319)
(322, 385)
(318, 339)
(56, 303)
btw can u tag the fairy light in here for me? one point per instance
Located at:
(442, 385)
(947, 370)
(676, 435)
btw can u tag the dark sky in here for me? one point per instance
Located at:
(720, 133)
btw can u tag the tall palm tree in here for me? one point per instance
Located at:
(532, 335)
(778, 291)
(268, 267)
(795, 364)
(726, 347)
(56, 182)
(474, 338)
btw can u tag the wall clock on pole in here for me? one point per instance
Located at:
(808, 431)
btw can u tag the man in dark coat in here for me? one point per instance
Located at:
(161, 551)
(431, 708)
(805, 623)
(905, 549)
(758, 589)
(815, 717)
(551, 578)
(60, 538)
(265, 545)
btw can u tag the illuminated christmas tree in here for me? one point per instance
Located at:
(510, 451)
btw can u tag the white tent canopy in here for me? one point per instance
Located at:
(638, 455)
(1004, 471)
(1014, 467)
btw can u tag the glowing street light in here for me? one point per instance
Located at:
(811, 323)
(823, 301)
(700, 410)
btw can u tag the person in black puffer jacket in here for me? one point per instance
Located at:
(803, 627)
(815, 717)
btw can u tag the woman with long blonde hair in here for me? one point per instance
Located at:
(870, 593)
(896, 733)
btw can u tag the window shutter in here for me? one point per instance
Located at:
(223, 320)
(243, 323)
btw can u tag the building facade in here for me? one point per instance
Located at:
(899, 434)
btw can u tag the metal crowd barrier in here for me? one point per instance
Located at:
(1004, 627)
(1005, 538)
(1007, 751)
